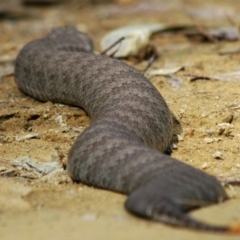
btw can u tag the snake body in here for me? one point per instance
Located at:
(122, 149)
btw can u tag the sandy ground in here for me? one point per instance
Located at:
(38, 203)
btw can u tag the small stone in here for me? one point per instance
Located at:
(45, 116)
(174, 146)
(225, 129)
(59, 121)
(208, 140)
(218, 155)
(89, 217)
(2, 169)
(180, 138)
(205, 166)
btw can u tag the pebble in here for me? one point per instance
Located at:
(225, 129)
(218, 155)
(205, 166)
(89, 217)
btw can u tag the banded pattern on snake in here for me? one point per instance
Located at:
(122, 149)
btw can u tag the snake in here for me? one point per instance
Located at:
(124, 147)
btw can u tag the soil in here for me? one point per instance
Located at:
(38, 200)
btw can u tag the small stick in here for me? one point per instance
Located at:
(151, 60)
(36, 169)
(113, 45)
(196, 76)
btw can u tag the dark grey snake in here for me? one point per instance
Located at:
(131, 126)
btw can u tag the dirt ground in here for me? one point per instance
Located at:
(38, 200)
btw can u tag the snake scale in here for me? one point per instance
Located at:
(123, 148)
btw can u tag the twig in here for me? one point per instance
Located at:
(113, 45)
(151, 60)
(196, 76)
(36, 169)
